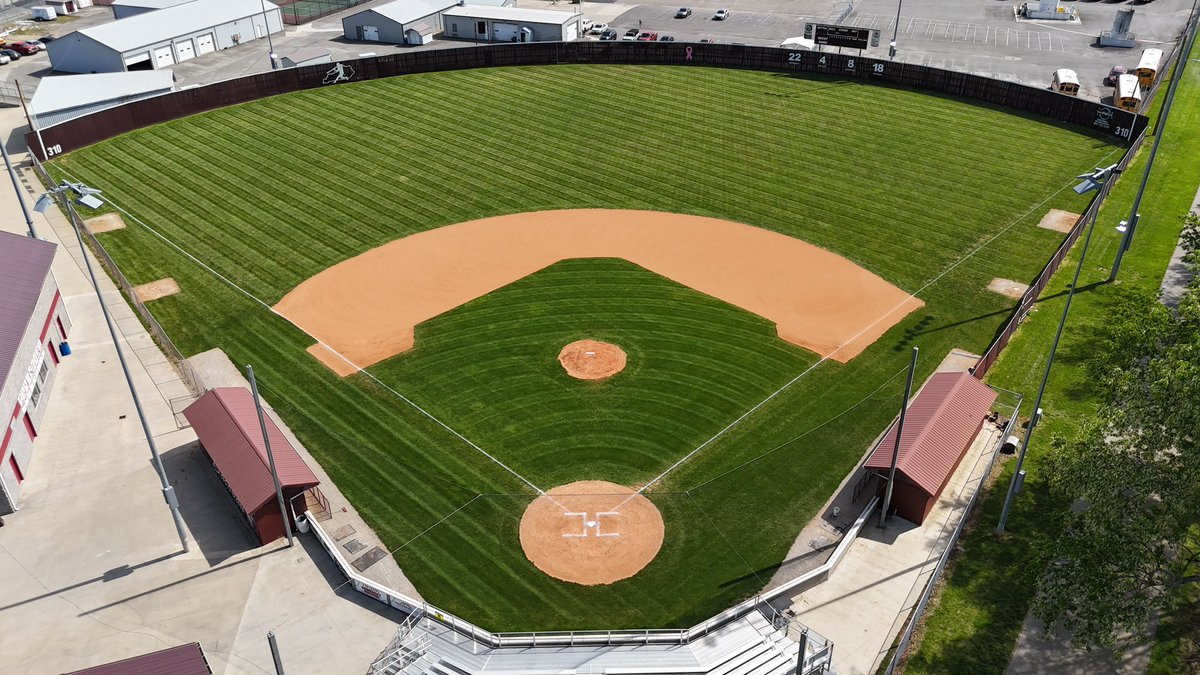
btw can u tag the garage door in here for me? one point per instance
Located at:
(163, 57)
(204, 44)
(572, 32)
(144, 57)
(184, 51)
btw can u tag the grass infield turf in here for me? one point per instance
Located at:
(903, 183)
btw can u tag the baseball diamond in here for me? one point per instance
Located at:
(736, 413)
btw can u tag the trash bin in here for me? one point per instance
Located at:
(64, 348)
(302, 524)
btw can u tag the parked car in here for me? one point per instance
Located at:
(586, 25)
(37, 43)
(47, 38)
(647, 36)
(10, 53)
(683, 13)
(630, 35)
(598, 28)
(1110, 80)
(665, 38)
(707, 40)
(23, 48)
(609, 34)
(4, 60)
(721, 15)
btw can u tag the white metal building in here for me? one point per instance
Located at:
(403, 22)
(123, 9)
(62, 7)
(33, 331)
(65, 97)
(162, 38)
(492, 3)
(511, 24)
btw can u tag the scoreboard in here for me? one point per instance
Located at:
(841, 36)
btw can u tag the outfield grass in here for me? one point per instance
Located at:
(271, 192)
(974, 627)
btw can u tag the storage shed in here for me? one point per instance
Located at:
(511, 24)
(402, 22)
(306, 57)
(123, 9)
(226, 422)
(33, 335)
(62, 7)
(65, 97)
(164, 37)
(182, 660)
(940, 426)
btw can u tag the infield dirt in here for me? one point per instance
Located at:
(364, 310)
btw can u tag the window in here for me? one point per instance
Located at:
(36, 395)
(42, 373)
(481, 28)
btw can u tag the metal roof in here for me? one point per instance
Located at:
(226, 422)
(24, 264)
(164, 24)
(405, 11)
(149, 4)
(182, 660)
(72, 91)
(941, 423)
(512, 14)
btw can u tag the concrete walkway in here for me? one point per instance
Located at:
(865, 602)
(93, 570)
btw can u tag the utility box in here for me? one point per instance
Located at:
(1047, 10)
(44, 13)
(1120, 35)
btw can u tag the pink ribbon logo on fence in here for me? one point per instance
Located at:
(689, 53)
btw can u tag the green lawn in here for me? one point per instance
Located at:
(271, 192)
(987, 592)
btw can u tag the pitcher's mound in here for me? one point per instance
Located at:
(591, 532)
(592, 360)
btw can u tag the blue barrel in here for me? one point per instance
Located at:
(64, 348)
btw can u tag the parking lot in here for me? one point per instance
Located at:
(962, 35)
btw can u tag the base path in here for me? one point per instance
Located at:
(365, 308)
(591, 532)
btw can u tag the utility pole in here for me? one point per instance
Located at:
(262, 423)
(275, 652)
(895, 31)
(12, 173)
(887, 497)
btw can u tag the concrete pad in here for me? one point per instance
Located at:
(105, 223)
(1058, 220)
(342, 532)
(1008, 288)
(868, 598)
(957, 361)
(156, 289)
(369, 558)
(1033, 654)
(149, 357)
(354, 546)
(162, 372)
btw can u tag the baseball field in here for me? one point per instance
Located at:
(731, 429)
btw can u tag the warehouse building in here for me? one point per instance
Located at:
(65, 97)
(226, 422)
(123, 9)
(403, 22)
(164, 37)
(511, 24)
(33, 339)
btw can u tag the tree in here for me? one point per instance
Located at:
(1131, 474)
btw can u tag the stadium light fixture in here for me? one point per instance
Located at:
(86, 196)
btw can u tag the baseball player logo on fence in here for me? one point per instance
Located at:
(338, 73)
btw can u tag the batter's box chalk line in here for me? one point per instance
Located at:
(589, 525)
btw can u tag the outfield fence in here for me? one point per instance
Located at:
(1085, 219)
(174, 356)
(98, 126)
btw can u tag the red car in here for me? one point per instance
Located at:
(647, 37)
(22, 48)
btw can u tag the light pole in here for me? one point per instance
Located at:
(17, 188)
(267, 30)
(887, 497)
(1036, 416)
(87, 197)
(262, 424)
(895, 31)
(1134, 216)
